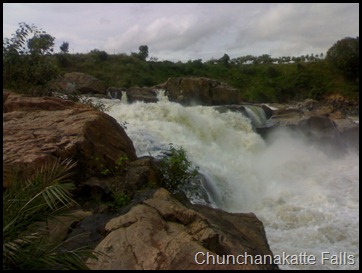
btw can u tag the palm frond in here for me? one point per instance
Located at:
(27, 201)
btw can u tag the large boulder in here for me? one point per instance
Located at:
(319, 123)
(141, 94)
(39, 129)
(162, 233)
(199, 90)
(81, 83)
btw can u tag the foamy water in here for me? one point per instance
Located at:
(307, 201)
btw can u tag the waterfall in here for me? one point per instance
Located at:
(307, 201)
(124, 99)
(256, 115)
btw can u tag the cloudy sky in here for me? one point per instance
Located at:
(189, 31)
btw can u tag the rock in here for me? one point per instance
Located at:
(115, 92)
(141, 173)
(82, 83)
(285, 117)
(57, 228)
(339, 103)
(320, 124)
(203, 91)
(319, 127)
(162, 233)
(128, 181)
(38, 129)
(141, 94)
(88, 232)
(308, 105)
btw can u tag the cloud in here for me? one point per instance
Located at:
(182, 31)
(299, 28)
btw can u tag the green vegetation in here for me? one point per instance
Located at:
(101, 168)
(259, 79)
(28, 203)
(176, 169)
(114, 174)
(77, 97)
(29, 62)
(344, 55)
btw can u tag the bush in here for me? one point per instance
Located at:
(27, 60)
(176, 170)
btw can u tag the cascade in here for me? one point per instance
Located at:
(307, 201)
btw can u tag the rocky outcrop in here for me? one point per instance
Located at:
(202, 91)
(141, 94)
(81, 83)
(39, 129)
(162, 233)
(318, 122)
(135, 176)
(343, 105)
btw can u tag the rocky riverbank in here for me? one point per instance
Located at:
(155, 231)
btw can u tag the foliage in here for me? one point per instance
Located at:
(28, 201)
(176, 169)
(279, 81)
(98, 55)
(119, 196)
(27, 60)
(115, 169)
(41, 44)
(259, 78)
(344, 55)
(143, 52)
(64, 47)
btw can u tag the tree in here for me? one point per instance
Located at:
(99, 55)
(64, 47)
(41, 44)
(225, 59)
(344, 55)
(143, 52)
(26, 63)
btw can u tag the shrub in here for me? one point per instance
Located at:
(27, 60)
(176, 169)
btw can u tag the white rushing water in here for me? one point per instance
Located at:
(307, 201)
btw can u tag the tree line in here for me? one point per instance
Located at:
(29, 61)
